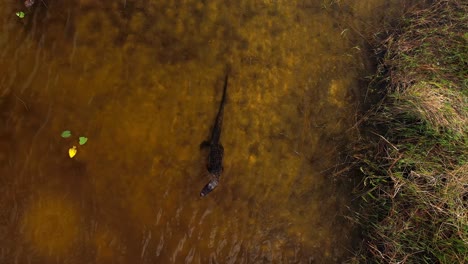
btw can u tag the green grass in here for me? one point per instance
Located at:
(413, 151)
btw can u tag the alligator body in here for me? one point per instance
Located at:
(216, 150)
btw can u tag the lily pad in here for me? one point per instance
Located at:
(66, 134)
(83, 140)
(72, 151)
(20, 14)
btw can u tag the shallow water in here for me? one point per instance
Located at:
(142, 80)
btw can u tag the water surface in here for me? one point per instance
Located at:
(142, 80)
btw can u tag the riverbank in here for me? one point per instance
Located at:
(413, 146)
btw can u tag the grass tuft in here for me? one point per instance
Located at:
(414, 144)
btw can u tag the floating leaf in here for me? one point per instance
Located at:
(72, 152)
(83, 140)
(20, 14)
(66, 134)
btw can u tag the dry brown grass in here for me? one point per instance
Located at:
(442, 107)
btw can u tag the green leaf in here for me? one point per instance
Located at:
(20, 14)
(66, 134)
(83, 140)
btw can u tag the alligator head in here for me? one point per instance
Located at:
(209, 187)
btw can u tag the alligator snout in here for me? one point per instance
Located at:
(209, 187)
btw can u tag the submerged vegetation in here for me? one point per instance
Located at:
(414, 144)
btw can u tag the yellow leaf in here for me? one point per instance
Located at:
(72, 152)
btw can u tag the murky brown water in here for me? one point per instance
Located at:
(142, 80)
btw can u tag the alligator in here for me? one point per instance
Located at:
(216, 150)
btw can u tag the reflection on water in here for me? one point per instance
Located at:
(142, 80)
